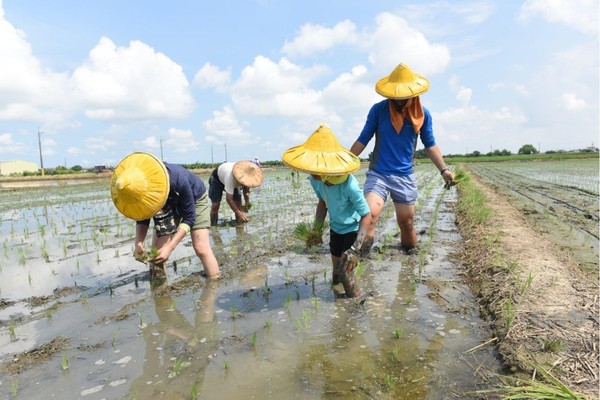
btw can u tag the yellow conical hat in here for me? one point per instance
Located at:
(402, 83)
(321, 154)
(139, 186)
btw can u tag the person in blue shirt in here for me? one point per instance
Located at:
(397, 123)
(143, 188)
(330, 166)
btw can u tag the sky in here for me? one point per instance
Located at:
(210, 81)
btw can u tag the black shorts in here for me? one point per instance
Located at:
(216, 188)
(339, 243)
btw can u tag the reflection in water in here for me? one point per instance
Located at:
(177, 352)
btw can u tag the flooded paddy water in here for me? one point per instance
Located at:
(80, 320)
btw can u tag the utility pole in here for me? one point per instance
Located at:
(212, 158)
(225, 151)
(161, 151)
(40, 147)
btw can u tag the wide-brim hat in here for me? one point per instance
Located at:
(139, 186)
(402, 83)
(321, 154)
(248, 173)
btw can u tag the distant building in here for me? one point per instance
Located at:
(8, 168)
(99, 168)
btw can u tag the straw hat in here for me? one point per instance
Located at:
(402, 83)
(247, 173)
(139, 186)
(321, 154)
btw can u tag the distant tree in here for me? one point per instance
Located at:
(528, 149)
(421, 153)
(76, 168)
(476, 153)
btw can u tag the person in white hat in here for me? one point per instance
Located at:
(143, 188)
(397, 122)
(330, 166)
(233, 178)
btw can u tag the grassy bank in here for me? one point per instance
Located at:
(506, 288)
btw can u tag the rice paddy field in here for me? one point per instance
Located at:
(79, 318)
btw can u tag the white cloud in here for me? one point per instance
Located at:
(394, 41)
(476, 129)
(581, 15)
(181, 141)
(132, 82)
(9, 145)
(280, 89)
(27, 92)
(211, 76)
(99, 144)
(316, 38)
(74, 150)
(474, 12)
(226, 127)
(571, 102)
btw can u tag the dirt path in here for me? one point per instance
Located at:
(544, 308)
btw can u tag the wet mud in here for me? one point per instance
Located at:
(273, 326)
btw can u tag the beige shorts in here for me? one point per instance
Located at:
(202, 214)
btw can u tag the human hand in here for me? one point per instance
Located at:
(240, 217)
(349, 260)
(449, 179)
(162, 254)
(139, 253)
(246, 207)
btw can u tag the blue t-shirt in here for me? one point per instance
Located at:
(345, 202)
(394, 152)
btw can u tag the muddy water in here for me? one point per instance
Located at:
(275, 328)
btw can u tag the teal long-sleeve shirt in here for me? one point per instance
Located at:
(345, 202)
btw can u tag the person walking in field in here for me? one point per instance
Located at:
(233, 178)
(397, 122)
(143, 188)
(330, 167)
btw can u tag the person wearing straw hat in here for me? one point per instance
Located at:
(396, 123)
(330, 167)
(143, 188)
(233, 178)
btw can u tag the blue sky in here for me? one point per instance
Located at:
(205, 80)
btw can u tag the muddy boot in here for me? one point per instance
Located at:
(347, 278)
(158, 274)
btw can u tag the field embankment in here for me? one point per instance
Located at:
(541, 297)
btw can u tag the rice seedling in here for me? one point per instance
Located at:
(390, 382)
(315, 301)
(253, 340)
(177, 367)
(304, 322)
(195, 392)
(394, 355)
(65, 362)
(398, 333)
(113, 341)
(310, 233)
(268, 323)
(234, 312)
(14, 387)
(287, 302)
(553, 345)
(509, 314)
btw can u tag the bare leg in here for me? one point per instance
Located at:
(404, 215)
(201, 244)
(214, 213)
(376, 204)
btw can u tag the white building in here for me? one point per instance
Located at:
(17, 167)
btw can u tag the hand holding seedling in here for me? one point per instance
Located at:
(449, 179)
(349, 260)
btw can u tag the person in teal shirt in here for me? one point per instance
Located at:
(330, 166)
